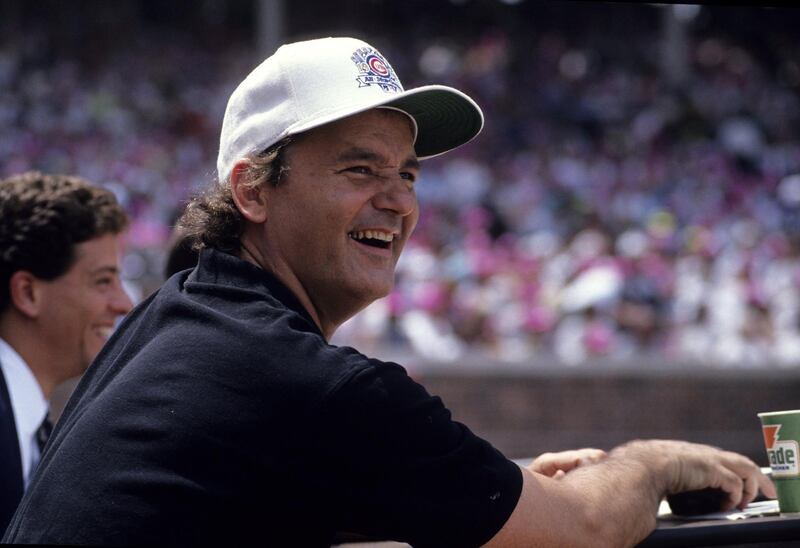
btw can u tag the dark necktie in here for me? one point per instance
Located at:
(43, 432)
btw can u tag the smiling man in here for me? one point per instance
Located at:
(220, 414)
(336, 234)
(60, 296)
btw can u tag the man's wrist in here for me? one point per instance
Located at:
(655, 460)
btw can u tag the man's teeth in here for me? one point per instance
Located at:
(372, 235)
(105, 332)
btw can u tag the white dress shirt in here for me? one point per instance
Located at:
(28, 403)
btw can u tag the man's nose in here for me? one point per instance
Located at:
(120, 301)
(396, 196)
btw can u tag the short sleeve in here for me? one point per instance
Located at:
(405, 470)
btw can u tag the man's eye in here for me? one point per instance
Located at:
(104, 281)
(408, 176)
(363, 170)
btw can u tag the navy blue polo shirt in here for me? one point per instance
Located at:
(218, 413)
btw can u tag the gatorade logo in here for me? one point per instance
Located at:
(782, 455)
(770, 435)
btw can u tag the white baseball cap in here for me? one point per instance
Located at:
(304, 85)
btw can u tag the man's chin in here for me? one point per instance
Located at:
(383, 289)
(367, 293)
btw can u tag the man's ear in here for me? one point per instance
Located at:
(26, 293)
(251, 202)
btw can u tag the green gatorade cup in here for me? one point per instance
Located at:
(782, 439)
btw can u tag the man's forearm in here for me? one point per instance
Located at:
(622, 493)
(612, 503)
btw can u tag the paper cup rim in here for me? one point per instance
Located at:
(778, 413)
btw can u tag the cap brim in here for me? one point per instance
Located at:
(445, 117)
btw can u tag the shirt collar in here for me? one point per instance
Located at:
(218, 267)
(27, 400)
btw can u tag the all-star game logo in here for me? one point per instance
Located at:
(373, 69)
(782, 454)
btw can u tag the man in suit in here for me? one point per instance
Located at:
(60, 295)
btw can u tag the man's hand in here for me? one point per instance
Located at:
(556, 465)
(690, 466)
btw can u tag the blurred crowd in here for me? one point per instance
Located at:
(606, 213)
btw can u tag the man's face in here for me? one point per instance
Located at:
(79, 308)
(340, 218)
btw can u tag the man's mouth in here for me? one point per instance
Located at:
(373, 238)
(104, 332)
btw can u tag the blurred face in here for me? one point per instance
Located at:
(79, 308)
(337, 223)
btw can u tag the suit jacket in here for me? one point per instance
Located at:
(11, 486)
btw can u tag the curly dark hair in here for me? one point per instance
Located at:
(43, 217)
(212, 219)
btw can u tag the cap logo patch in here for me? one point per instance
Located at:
(374, 69)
